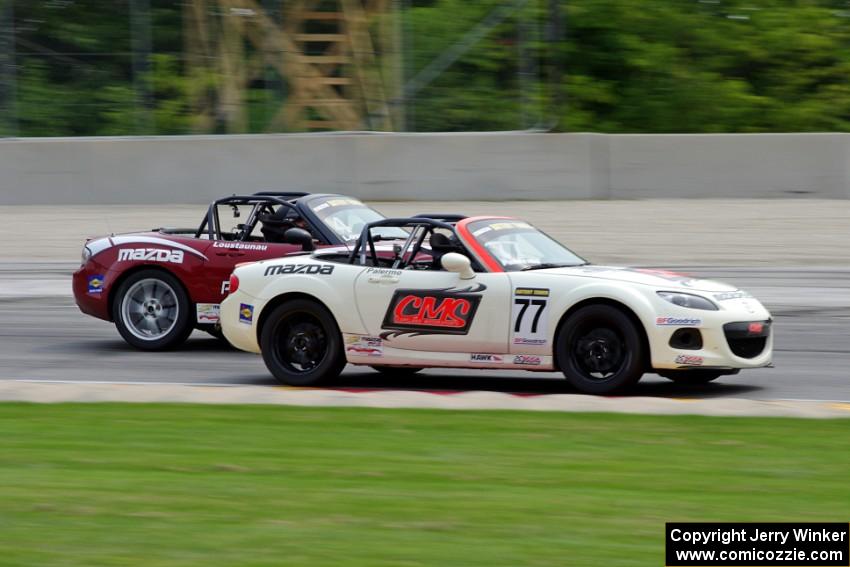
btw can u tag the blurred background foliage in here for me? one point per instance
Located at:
(119, 67)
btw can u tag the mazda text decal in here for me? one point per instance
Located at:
(150, 255)
(136, 240)
(322, 269)
(434, 311)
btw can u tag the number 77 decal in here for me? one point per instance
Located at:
(530, 316)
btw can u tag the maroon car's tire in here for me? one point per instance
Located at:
(152, 311)
(301, 343)
(600, 350)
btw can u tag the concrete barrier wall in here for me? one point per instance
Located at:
(729, 165)
(498, 166)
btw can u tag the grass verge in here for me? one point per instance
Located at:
(175, 485)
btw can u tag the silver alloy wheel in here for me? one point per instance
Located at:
(150, 309)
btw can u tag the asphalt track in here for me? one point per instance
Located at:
(45, 338)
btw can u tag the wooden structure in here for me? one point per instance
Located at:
(333, 58)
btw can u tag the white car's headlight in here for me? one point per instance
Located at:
(687, 300)
(85, 255)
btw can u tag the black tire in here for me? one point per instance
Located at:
(600, 350)
(152, 311)
(400, 371)
(301, 343)
(696, 376)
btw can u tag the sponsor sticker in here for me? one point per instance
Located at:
(312, 269)
(383, 275)
(491, 358)
(246, 313)
(527, 360)
(689, 360)
(731, 295)
(240, 245)
(150, 255)
(208, 312)
(431, 311)
(364, 346)
(511, 225)
(529, 315)
(343, 202)
(678, 322)
(95, 284)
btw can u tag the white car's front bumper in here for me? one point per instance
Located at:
(739, 335)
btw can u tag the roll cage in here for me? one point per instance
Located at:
(407, 255)
(293, 200)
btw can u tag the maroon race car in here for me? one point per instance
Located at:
(157, 286)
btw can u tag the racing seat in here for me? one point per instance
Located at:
(277, 223)
(441, 245)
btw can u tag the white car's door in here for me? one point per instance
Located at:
(436, 311)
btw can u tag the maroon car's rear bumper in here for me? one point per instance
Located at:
(91, 285)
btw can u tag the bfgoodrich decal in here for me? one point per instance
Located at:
(678, 322)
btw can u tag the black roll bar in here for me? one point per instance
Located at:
(366, 239)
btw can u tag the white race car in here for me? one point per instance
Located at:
(487, 292)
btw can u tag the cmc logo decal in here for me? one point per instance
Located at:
(431, 311)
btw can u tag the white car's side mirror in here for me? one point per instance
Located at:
(459, 264)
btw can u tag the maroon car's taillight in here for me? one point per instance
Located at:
(234, 283)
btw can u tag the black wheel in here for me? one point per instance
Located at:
(301, 343)
(152, 311)
(696, 376)
(600, 350)
(397, 370)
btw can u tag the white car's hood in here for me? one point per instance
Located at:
(657, 278)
